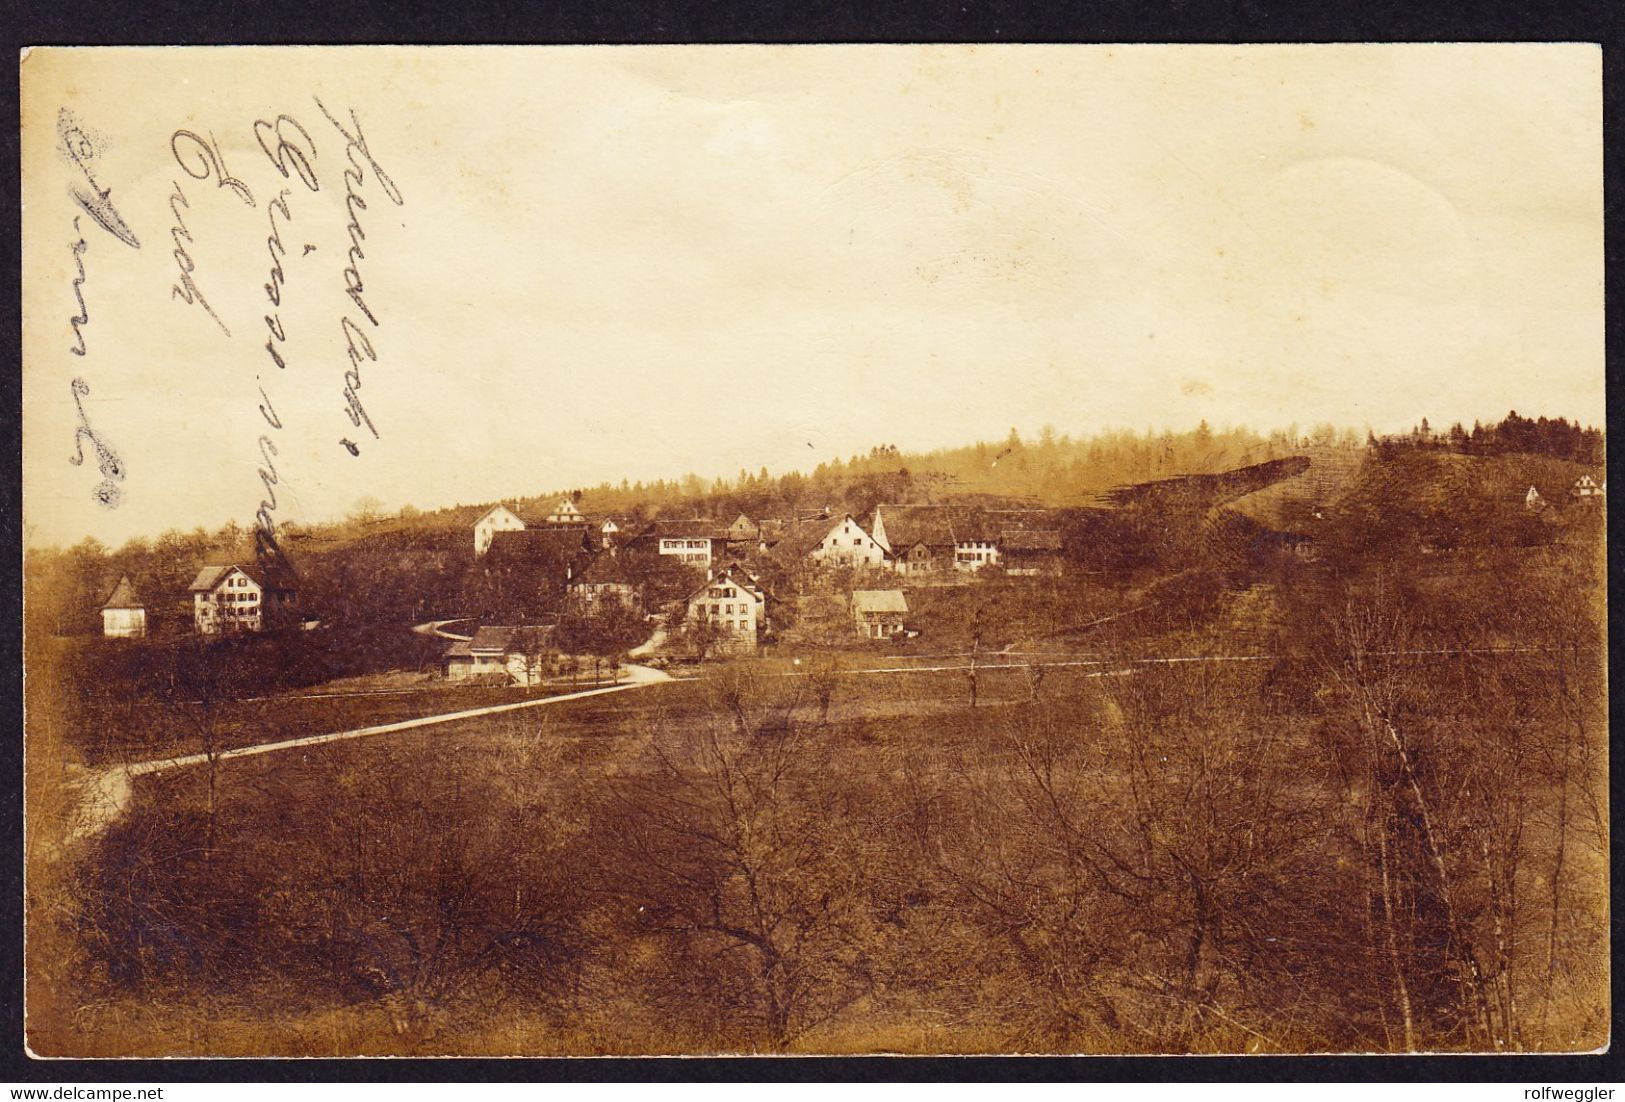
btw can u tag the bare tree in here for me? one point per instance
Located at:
(727, 838)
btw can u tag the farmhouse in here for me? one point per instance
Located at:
(939, 539)
(878, 613)
(232, 598)
(736, 603)
(848, 544)
(605, 578)
(124, 616)
(516, 654)
(1533, 501)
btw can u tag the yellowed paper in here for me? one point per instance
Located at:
(318, 312)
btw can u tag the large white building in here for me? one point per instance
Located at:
(735, 603)
(848, 544)
(233, 598)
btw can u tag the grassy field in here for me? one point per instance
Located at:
(132, 731)
(287, 815)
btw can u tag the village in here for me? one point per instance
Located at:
(718, 601)
(690, 589)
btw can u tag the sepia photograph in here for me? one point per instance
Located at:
(821, 550)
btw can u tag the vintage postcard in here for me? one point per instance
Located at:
(814, 550)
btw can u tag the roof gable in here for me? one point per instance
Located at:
(879, 600)
(735, 575)
(498, 509)
(606, 568)
(124, 595)
(491, 639)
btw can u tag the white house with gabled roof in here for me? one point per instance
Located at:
(735, 603)
(847, 543)
(1585, 487)
(231, 598)
(499, 518)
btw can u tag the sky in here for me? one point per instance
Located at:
(635, 262)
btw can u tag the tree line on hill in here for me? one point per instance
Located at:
(1556, 437)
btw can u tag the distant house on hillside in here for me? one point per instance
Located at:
(231, 598)
(499, 518)
(1585, 488)
(608, 531)
(688, 541)
(565, 512)
(736, 604)
(124, 616)
(1533, 501)
(879, 613)
(742, 531)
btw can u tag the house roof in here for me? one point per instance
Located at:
(549, 542)
(906, 525)
(208, 577)
(801, 537)
(943, 525)
(938, 525)
(878, 600)
(488, 639)
(606, 568)
(124, 595)
(689, 529)
(459, 649)
(738, 576)
(513, 512)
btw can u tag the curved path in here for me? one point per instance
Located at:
(433, 627)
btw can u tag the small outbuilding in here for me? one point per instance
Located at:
(879, 613)
(124, 616)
